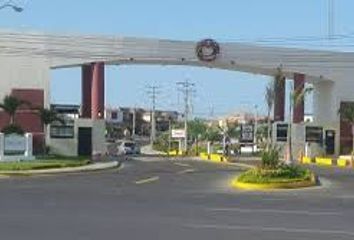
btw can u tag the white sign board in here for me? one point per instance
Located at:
(247, 133)
(14, 144)
(178, 133)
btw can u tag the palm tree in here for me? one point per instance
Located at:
(10, 105)
(347, 113)
(297, 97)
(269, 98)
(47, 117)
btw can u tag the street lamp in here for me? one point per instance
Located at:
(14, 7)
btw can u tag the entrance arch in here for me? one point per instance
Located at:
(330, 72)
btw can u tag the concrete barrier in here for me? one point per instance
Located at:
(324, 161)
(342, 162)
(214, 157)
(306, 160)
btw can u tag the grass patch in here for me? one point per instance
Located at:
(282, 174)
(49, 162)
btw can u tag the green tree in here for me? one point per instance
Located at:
(347, 113)
(297, 96)
(270, 98)
(47, 117)
(197, 129)
(213, 134)
(10, 105)
(233, 130)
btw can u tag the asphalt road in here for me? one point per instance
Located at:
(172, 200)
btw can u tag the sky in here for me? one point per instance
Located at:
(300, 23)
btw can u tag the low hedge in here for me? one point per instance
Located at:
(12, 129)
(41, 164)
(282, 174)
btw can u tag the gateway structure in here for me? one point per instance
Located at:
(26, 59)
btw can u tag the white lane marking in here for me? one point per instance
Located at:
(271, 229)
(182, 164)
(276, 211)
(147, 180)
(186, 171)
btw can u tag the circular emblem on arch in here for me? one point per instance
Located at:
(207, 50)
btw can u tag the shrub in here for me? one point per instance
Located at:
(270, 158)
(12, 129)
(284, 173)
(161, 143)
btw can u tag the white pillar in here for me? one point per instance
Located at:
(209, 148)
(29, 145)
(2, 146)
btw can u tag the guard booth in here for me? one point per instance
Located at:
(313, 141)
(308, 139)
(330, 141)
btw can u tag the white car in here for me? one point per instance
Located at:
(128, 147)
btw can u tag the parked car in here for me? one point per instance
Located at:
(128, 147)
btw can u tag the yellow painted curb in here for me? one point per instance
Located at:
(219, 158)
(342, 162)
(172, 153)
(176, 153)
(204, 156)
(324, 161)
(269, 186)
(306, 160)
(215, 157)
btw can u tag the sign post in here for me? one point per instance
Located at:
(247, 134)
(14, 147)
(14, 144)
(179, 134)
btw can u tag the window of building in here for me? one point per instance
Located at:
(114, 115)
(61, 131)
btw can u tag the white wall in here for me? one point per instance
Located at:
(327, 98)
(24, 72)
(98, 137)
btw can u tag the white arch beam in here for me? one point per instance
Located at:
(62, 51)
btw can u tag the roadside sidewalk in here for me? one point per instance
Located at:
(87, 168)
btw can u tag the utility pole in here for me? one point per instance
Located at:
(169, 134)
(255, 125)
(331, 19)
(152, 91)
(187, 88)
(134, 122)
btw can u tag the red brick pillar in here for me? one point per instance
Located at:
(97, 92)
(86, 86)
(299, 107)
(279, 101)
